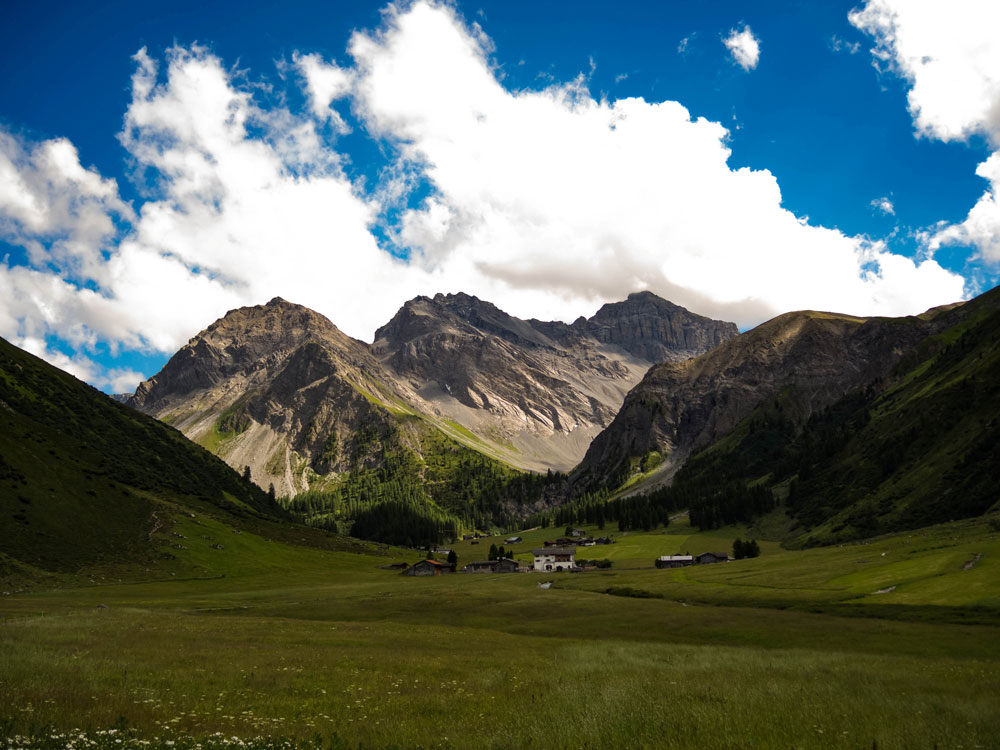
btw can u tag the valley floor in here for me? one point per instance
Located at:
(792, 649)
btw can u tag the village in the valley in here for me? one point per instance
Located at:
(555, 556)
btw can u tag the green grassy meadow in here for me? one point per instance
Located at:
(266, 639)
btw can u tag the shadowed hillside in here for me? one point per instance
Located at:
(87, 483)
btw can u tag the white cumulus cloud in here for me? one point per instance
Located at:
(950, 54)
(246, 204)
(744, 47)
(544, 198)
(546, 202)
(325, 84)
(883, 205)
(59, 211)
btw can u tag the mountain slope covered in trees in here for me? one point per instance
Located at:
(856, 426)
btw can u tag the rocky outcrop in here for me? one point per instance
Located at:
(544, 388)
(654, 329)
(483, 358)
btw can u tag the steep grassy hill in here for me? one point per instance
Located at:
(87, 484)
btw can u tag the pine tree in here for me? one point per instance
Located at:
(738, 549)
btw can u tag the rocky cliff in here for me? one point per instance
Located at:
(654, 329)
(505, 380)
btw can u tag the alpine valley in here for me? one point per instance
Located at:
(153, 596)
(843, 426)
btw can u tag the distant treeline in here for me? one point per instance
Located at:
(711, 506)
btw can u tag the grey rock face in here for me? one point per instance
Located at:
(276, 385)
(656, 330)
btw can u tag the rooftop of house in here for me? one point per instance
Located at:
(542, 551)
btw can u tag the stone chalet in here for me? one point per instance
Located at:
(429, 568)
(674, 561)
(512, 540)
(554, 558)
(706, 558)
(505, 565)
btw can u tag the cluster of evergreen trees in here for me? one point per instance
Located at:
(734, 502)
(421, 499)
(498, 553)
(711, 505)
(404, 524)
(744, 549)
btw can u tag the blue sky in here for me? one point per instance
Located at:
(159, 166)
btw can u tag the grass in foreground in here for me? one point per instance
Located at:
(302, 643)
(385, 684)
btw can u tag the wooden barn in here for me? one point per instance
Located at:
(707, 558)
(429, 568)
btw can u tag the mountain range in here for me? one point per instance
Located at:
(832, 426)
(281, 389)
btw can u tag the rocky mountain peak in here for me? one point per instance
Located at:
(454, 315)
(655, 329)
(244, 340)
